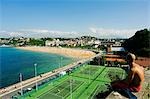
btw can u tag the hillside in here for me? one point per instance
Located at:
(139, 44)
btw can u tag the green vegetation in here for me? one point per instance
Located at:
(37, 42)
(25, 41)
(139, 44)
(99, 61)
(84, 83)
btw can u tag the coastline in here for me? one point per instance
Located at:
(74, 53)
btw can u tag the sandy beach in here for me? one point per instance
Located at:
(75, 53)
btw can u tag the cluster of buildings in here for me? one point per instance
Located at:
(14, 41)
(85, 41)
(111, 46)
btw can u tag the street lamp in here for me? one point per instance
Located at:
(71, 86)
(60, 62)
(20, 78)
(35, 72)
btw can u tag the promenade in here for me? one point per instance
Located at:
(26, 83)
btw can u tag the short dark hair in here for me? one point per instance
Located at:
(130, 57)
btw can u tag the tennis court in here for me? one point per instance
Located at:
(98, 89)
(93, 89)
(111, 74)
(84, 83)
(62, 90)
(88, 71)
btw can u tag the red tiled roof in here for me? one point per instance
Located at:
(143, 61)
(115, 59)
(110, 55)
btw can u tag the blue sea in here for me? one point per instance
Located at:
(14, 61)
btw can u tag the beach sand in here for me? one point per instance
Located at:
(74, 53)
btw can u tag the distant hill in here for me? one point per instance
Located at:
(139, 44)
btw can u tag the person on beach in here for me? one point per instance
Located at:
(133, 81)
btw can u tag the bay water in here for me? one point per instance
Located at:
(14, 61)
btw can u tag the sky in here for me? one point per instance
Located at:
(73, 18)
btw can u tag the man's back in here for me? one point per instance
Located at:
(138, 75)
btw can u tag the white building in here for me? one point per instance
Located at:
(97, 42)
(49, 43)
(117, 44)
(55, 42)
(62, 73)
(90, 42)
(117, 49)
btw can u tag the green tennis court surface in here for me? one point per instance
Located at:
(95, 88)
(88, 71)
(62, 90)
(84, 83)
(111, 74)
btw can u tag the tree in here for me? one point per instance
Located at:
(37, 42)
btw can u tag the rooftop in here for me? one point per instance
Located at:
(117, 49)
(143, 61)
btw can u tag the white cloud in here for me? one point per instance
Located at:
(17, 34)
(35, 30)
(112, 33)
(96, 32)
(38, 33)
(4, 33)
